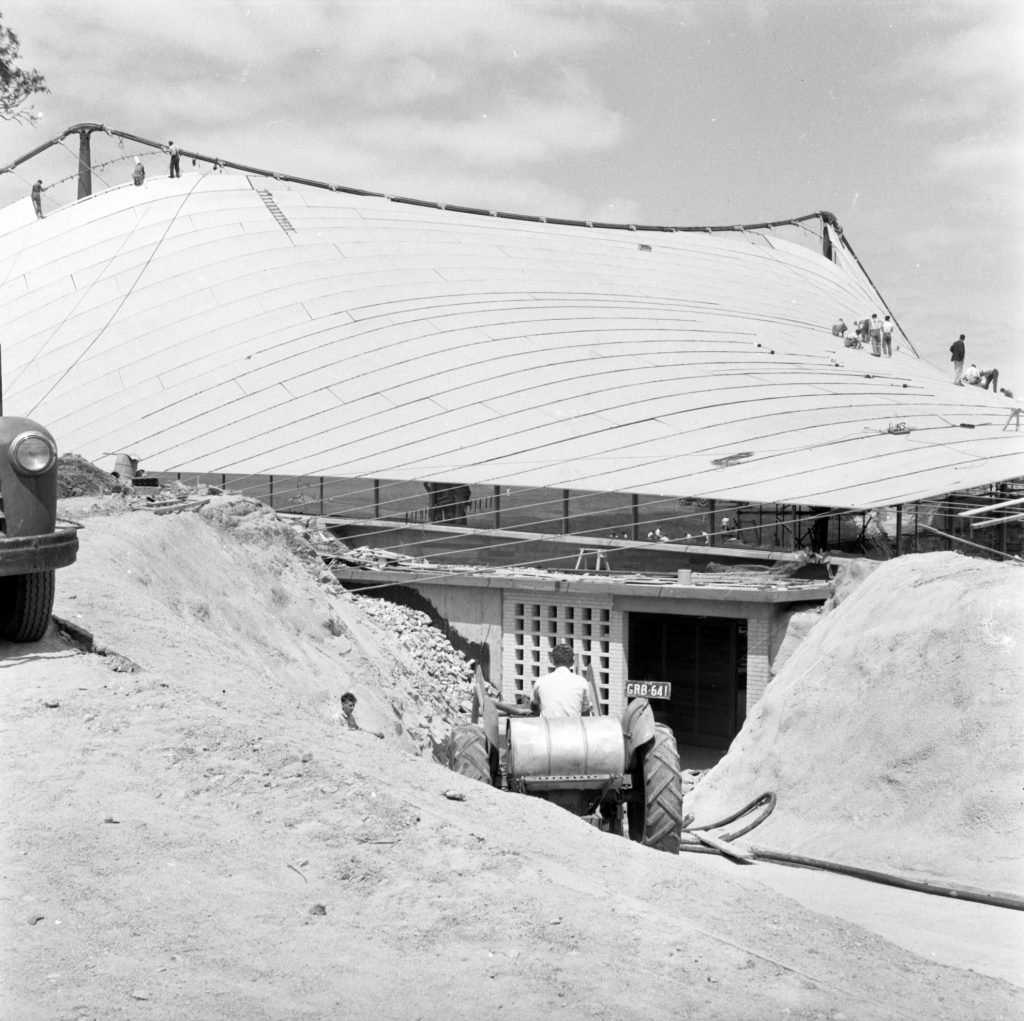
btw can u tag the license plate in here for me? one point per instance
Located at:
(648, 689)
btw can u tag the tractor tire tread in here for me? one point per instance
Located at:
(663, 793)
(468, 754)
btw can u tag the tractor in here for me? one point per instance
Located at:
(623, 775)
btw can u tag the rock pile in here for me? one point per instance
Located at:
(446, 684)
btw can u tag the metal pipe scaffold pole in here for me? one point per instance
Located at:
(84, 162)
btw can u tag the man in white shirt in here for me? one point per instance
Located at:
(887, 328)
(561, 692)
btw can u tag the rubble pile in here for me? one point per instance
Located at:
(372, 559)
(253, 521)
(446, 686)
(78, 477)
(329, 547)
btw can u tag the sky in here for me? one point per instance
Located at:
(905, 119)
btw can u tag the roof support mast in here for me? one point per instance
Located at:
(84, 162)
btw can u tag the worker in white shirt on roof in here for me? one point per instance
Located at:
(561, 692)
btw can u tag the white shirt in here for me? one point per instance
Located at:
(561, 693)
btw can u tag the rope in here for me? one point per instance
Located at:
(120, 304)
(78, 161)
(219, 163)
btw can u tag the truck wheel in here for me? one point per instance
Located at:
(26, 602)
(656, 816)
(468, 754)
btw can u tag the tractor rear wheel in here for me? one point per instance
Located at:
(468, 754)
(655, 812)
(26, 602)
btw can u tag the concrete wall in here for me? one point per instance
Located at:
(474, 615)
(470, 617)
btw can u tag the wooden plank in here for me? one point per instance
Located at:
(965, 542)
(990, 507)
(731, 850)
(996, 521)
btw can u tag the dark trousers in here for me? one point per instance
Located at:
(175, 165)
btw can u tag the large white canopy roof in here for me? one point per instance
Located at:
(227, 323)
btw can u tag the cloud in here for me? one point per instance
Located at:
(262, 35)
(940, 108)
(483, 31)
(967, 66)
(975, 42)
(409, 81)
(354, 92)
(567, 117)
(980, 153)
(963, 85)
(520, 193)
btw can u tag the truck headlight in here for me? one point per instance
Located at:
(32, 453)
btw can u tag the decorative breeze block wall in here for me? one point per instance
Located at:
(534, 622)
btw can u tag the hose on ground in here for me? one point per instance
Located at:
(767, 802)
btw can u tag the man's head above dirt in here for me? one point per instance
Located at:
(348, 707)
(562, 655)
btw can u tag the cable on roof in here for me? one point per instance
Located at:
(120, 304)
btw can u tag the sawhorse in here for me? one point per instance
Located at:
(600, 560)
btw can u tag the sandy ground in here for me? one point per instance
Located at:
(892, 736)
(198, 838)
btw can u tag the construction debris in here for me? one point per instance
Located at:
(446, 682)
(78, 477)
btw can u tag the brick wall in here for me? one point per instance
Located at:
(758, 658)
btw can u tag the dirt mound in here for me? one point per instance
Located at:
(198, 837)
(78, 477)
(250, 594)
(891, 738)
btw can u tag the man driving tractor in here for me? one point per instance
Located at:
(558, 693)
(620, 771)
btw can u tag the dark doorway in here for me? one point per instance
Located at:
(705, 660)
